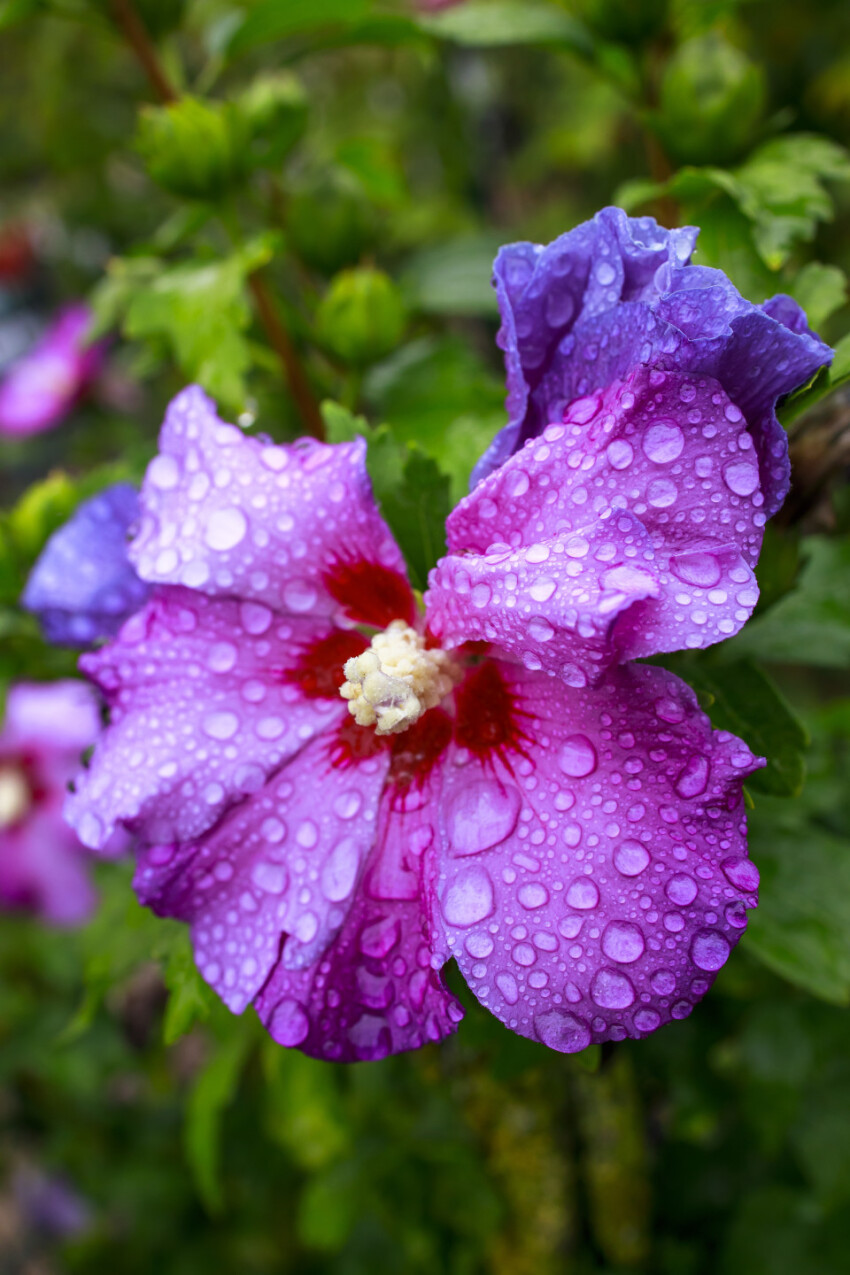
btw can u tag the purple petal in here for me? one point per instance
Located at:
(631, 529)
(284, 863)
(295, 527)
(374, 991)
(42, 864)
(83, 587)
(594, 882)
(616, 293)
(202, 709)
(42, 386)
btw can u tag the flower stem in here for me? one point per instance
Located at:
(137, 37)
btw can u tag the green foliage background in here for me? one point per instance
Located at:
(353, 165)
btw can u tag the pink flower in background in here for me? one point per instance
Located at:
(577, 843)
(43, 867)
(42, 386)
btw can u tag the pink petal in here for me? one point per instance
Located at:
(594, 876)
(294, 527)
(285, 862)
(374, 991)
(203, 709)
(663, 450)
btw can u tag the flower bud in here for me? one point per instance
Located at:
(361, 316)
(194, 149)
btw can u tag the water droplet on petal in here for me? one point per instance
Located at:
(646, 1020)
(562, 1031)
(620, 454)
(299, 596)
(709, 950)
(533, 895)
(270, 877)
(663, 982)
(480, 814)
(583, 894)
(289, 1024)
(577, 757)
(631, 858)
(623, 942)
(225, 529)
(693, 779)
(742, 873)
(340, 871)
(663, 442)
(221, 725)
(741, 477)
(468, 898)
(681, 889)
(700, 569)
(612, 990)
(507, 985)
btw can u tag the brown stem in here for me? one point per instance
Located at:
(143, 47)
(299, 386)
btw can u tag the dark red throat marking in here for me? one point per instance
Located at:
(370, 593)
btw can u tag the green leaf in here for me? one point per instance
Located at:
(820, 290)
(821, 384)
(484, 24)
(811, 624)
(454, 277)
(329, 1207)
(439, 394)
(200, 309)
(14, 11)
(801, 928)
(272, 20)
(190, 999)
(213, 1092)
(411, 490)
(304, 1111)
(740, 697)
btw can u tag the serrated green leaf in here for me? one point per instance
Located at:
(200, 309)
(811, 624)
(480, 24)
(740, 697)
(801, 928)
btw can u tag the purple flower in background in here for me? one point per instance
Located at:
(42, 864)
(336, 818)
(617, 293)
(83, 586)
(42, 386)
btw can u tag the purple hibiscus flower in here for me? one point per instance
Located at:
(42, 386)
(42, 864)
(83, 586)
(581, 852)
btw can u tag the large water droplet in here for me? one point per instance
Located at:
(507, 985)
(742, 873)
(533, 895)
(468, 898)
(663, 442)
(226, 529)
(623, 942)
(270, 877)
(612, 990)
(480, 814)
(577, 757)
(620, 454)
(693, 779)
(741, 477)
(699, 569)
(631, 858)
(583, 894)
(221, 725)
(289, 1024)
(709, 950)
(340, 871)
(681, 889)
(562, 1031)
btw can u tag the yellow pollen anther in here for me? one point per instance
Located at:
(392, 684)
